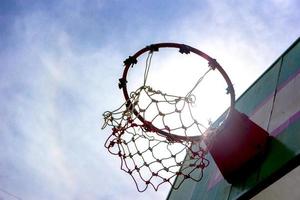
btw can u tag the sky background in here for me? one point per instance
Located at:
(59, 66)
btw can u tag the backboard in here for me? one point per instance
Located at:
(272, 102)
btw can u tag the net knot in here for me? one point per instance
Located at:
(117, 131)
(190, 99)
(111, 144)
(108, 118)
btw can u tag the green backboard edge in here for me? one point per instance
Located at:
(293, 160)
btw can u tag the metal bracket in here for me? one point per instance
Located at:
(213, 64)
(130, 60)
(122, 83)
(184, 49)
(153, 48)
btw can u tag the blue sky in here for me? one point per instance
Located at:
(60, 61)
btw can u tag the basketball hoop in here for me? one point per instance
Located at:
(152, 151)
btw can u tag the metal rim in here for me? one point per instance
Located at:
(183, 49)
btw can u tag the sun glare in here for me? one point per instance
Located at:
(177, 74)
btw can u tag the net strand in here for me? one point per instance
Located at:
(198, 82)
(148, 64)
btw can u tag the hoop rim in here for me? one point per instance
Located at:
(182, 49)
